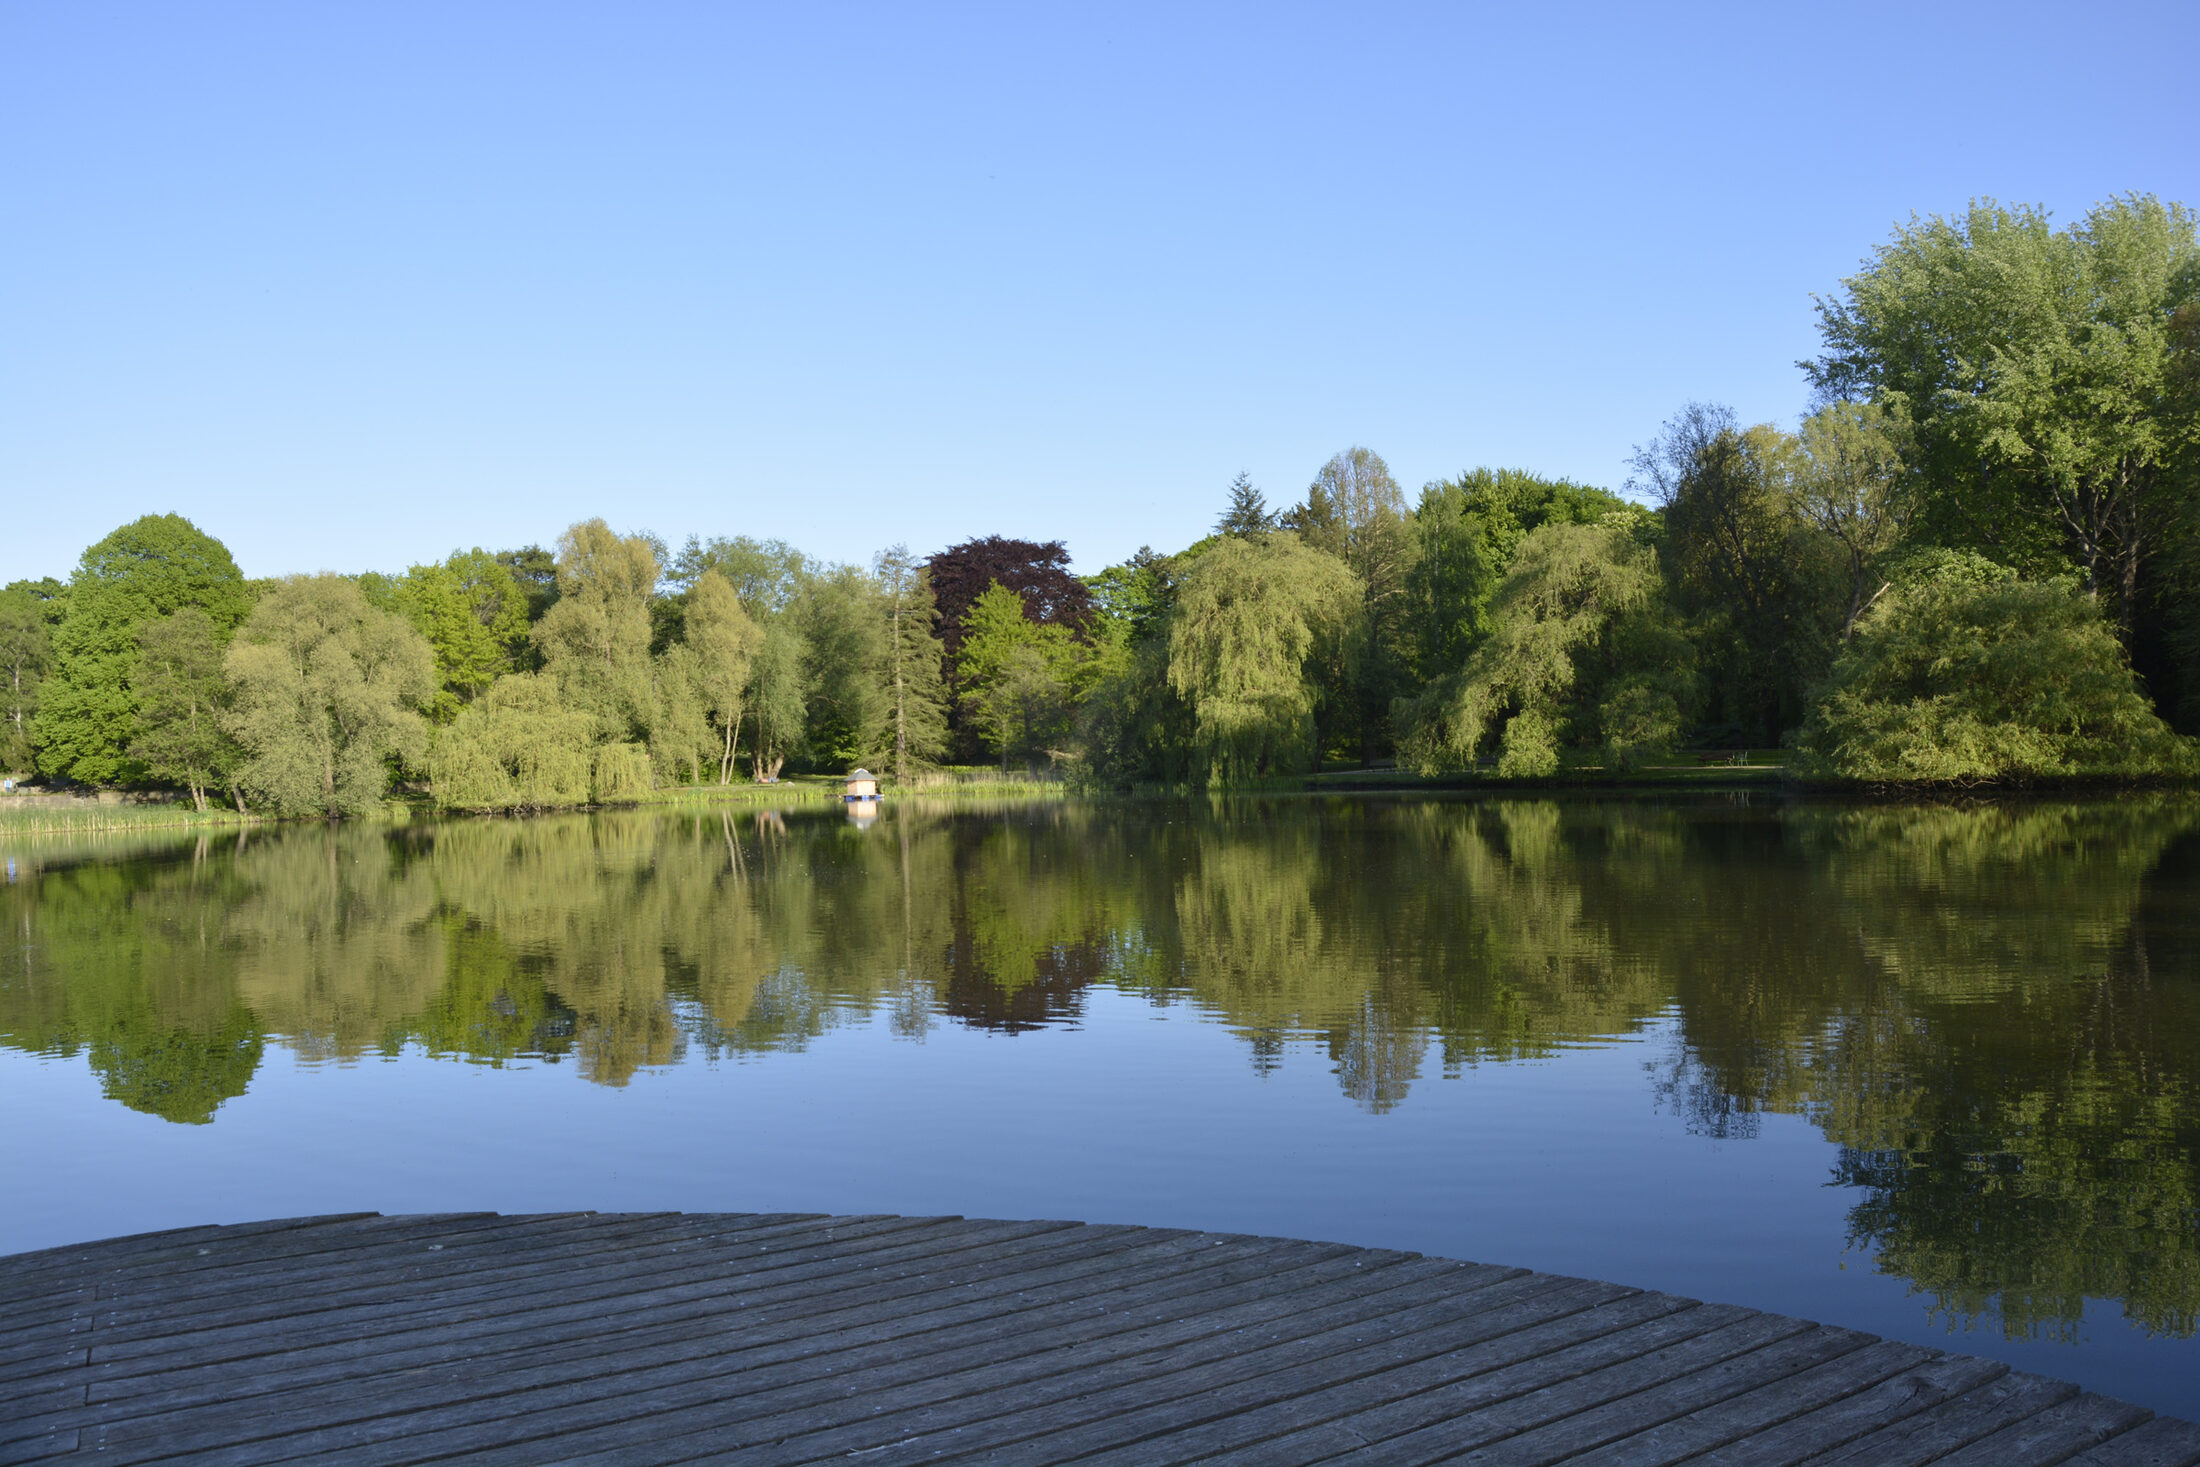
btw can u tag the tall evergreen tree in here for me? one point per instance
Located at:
(916, 696)
(1248, 514)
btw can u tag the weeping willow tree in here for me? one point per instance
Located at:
(1580, 651)
(516, 747)
(1249, 617)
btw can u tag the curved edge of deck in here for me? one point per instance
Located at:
(796, 1338)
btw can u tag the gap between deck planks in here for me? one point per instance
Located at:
(799, 1338)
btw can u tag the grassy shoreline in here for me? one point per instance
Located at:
(1765, 772)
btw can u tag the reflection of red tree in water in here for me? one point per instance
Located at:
(1052, 994)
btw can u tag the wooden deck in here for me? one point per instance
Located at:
(654, 1338)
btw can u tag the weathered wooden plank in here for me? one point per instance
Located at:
(780, 1339)
(595, 1398)
(1016, 1408)
(370, 1289)
(549, 1336)
(2162, 1442)
(807, 1319)
(1843, 1420)
(2054, 1435)
(1688, 1437)
(589, 1378)
(1472, 1423)
(1931, 1435)
(100, 1252)
(572, 1329)
(1248, 1426)
(1451, 1385)
(1582, 1431)
(306, 1324)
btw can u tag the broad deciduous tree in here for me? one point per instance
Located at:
(725, 641)
(148, 568)
(182, 701)
(1963, 673)
(325, 691)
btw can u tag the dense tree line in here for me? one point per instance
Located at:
(1976, 558)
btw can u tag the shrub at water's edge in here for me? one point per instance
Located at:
(1964, 674)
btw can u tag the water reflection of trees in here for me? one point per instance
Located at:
(1991, 1011)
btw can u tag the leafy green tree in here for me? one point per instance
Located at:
(325, 691)
(182, 700)
(28, 610)
(1578, 652)
(1355, 512)
(148, 568)
(725, 641)
(844, 628)
(517, 747)
(473, 614)
(777, 694)
(1849, 485)
(1468, 529)
(916, 697)
(2036, 367)
(535, 571)
(1018, 676)
(1963, 673)
(1758, 583)
(766, 574)
(680, 738)
(595, 638)
(1251, 616)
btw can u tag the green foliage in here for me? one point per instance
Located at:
(595, 639)
(2038, 369)
(1019, 678)
(148, 568)
(325, 691)
(517, 747)
(1355, 512)
(1850, 485)
(1248, 516)
(916, 695)
(535, 571)
(765, 574)
(473, 614)
(1469, 529)
(844, 630)
(776, 692)
(621, 772)
(28, 611)
(1250, 618)
(182, 702)
(725, 641)
(1963, 673)
(1759, 583)
(1580, 651)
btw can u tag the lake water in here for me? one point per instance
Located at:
(1932, 1072)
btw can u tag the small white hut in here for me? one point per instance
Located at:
(862, 785)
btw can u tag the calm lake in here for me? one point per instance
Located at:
(1932, 1072)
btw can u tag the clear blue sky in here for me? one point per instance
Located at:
(351, 285)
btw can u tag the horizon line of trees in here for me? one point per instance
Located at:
(1977, 558)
